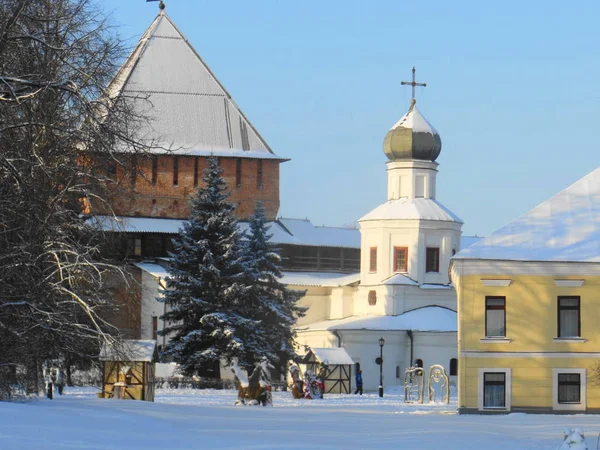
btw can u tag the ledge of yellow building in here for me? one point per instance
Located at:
(495, 340)
(572, 340)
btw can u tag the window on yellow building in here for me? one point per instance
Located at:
(569, 388)
(569, 318)
(494, 390)
(495, 316)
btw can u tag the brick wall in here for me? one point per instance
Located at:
(159, 196)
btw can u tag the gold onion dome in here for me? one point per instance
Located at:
(413, 137)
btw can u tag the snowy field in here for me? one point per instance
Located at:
(206, 419)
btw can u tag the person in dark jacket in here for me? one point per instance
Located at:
(359, 383)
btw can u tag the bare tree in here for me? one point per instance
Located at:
(58, 126)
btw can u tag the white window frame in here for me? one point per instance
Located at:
(582, 406)
(507, 388)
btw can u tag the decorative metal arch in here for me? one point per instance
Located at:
(438, 378)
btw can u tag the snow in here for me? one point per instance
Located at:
(399, 279)
(284, 231)
(414, 120)
(192, 419)
(416, 209)
(332, 356)
(325, 279)
(565, 227)
(427, 318)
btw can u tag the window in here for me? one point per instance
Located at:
(432, 259)
(238, 172)
(259, 173)
(154, 169)
(494, 390)
(176, 171)
(196, 172)
(373, 259)
(400, 259)
(154, 327)
(569, 320)
(453, 251)
(569, 388)
(397, 371)
(418, 362)
(453, 367)
(372, 298)
(495, 316)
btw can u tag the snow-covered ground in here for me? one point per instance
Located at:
(206, 419)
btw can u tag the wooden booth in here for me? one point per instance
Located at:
(128, 369)
(336, 365)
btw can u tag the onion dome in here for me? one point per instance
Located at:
(413, 137)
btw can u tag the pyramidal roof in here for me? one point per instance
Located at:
(564, 228)
(189, 110)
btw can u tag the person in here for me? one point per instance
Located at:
(359, 383)
(60, 381)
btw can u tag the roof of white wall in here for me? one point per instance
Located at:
(416, 209)
(428, 318)
(324, 279)
(565, 227)
(284, 231)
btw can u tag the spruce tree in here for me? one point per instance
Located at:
(269, 300)
(206, 318)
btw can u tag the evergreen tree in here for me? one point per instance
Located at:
(206, 316)
(269, 300)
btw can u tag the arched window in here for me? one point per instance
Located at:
(418, 362)
(453, 366)
(397, 371)
(372, 298)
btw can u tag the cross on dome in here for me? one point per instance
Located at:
(413, 83)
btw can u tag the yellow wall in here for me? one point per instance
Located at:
(531, 326)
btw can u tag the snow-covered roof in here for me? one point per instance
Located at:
(332, 356)
(129, 350)
(400, 279)
(428, 318)
(321, 236)
(564, 228)
(284, 231)
(188, 109)
(324, 279)
(416, 209)
(156, 270)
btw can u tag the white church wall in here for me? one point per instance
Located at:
(407, 298)
(315, 339)
(411, 179)
(151, 307)
(342, 302)
(434, 348)
(363, 347)
(383, 301)
(318, 300)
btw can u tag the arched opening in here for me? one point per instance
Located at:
(418, 362)
(453, 366)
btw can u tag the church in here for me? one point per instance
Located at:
(384, 283)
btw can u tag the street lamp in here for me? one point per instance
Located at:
(381, 344)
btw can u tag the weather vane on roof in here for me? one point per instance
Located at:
(161, 5)
(413, 83)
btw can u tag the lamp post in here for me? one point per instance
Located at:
(381, 344)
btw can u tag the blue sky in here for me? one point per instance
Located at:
(512, 88)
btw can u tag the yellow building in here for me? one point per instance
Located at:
(529, 309)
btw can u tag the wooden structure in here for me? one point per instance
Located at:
(128, 369)
(335, 367)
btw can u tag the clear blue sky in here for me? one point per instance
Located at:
(512, 89)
